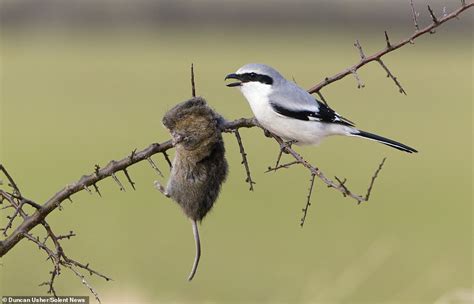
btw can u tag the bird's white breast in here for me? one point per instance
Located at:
(257, 94)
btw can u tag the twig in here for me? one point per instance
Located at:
(10, 180)
(433, 17)
(308, 200)
(284, 166)
(193, 85)
(389, 74)
(387, 40)
(84, 282)
(359, 47)
(360, 84)
(244, 160)
(414, 15)
(322, 97)
(154, 166)
(374, 177)
(167, 158)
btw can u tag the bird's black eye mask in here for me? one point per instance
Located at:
(248, 77)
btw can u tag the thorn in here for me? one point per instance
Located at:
(118, 182)
(153, 165)
(193, 85)
(97, 189)
(87, 189)
(167, 158)
(360, 84)
(129, 179)
(322, 98)
(387, 40)
(96, 169)
(132, 156)
(433, 17)
(414, 16)
(359, 47)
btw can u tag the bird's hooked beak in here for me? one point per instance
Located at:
(233, 76)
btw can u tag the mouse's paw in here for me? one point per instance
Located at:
(160, 188)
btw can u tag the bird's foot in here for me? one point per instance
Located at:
(283, 146)
(286, 144)
(160, 188)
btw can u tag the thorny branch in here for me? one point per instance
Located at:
(56, 255)
(390, 47)
(244, 159)
(14, 201)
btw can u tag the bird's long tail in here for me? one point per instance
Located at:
(383, 140)
(198, 250)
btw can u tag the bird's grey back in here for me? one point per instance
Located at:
(291, 96)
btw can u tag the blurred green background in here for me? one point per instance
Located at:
(76, 96)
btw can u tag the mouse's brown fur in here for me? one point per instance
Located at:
(199, 167)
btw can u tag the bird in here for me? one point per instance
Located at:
(290, 112)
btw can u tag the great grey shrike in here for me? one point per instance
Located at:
(287, 110)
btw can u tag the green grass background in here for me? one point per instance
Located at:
(69, 102)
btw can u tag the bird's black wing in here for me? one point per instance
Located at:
(323, 114)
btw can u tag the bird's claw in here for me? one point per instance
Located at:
(286, 145)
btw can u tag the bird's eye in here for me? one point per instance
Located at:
(253, 74)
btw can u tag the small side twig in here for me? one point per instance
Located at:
(167, 158)
(391, 76)
(433, 16)
(284, 166)
(387, 40)
(322, 98)
(11, 181)
(308, 200)
(360, 84)
(361, 51)
(244, 160)
(374, 177)
(414, 15)
(193, 84)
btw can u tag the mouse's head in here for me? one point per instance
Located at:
(193, 124)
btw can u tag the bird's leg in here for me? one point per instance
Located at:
(160, 188)
(286, 144)
(283, 146)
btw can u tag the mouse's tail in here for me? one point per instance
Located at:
(383, 140)
(198, 250)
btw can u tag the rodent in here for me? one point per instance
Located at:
(199, 167)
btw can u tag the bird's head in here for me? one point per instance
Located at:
(255, 74)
